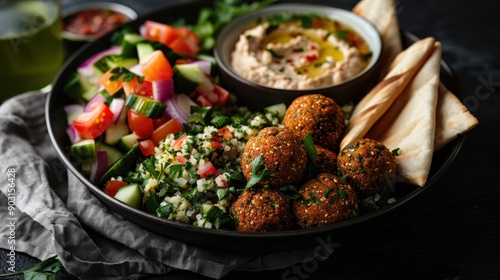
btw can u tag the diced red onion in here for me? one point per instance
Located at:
(98, 98)
(179, 107)
(205, 66)
(163, 90)
(99, 166)
(74, 136)
(116, 106)
(184, 104)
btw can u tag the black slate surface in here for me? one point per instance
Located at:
(452, 231)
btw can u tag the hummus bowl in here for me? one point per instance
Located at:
(278, 53)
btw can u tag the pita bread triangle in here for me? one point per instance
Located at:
(382, 13)
(409, 124)
(452, 118)
(380, 98)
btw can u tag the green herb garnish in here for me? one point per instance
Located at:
(259, 172)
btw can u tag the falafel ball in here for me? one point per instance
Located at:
(368, 165)
(261, 209)
(319, 115)
(325, 200)
(326, 160)
(283, 152)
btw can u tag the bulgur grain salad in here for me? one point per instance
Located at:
(194, 176)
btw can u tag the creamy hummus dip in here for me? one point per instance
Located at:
(290, 56)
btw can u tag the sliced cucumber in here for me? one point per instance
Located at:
(113, 153)
(115, 61)
(129, 43)
(146, 106)
(84, 149)
(277, 109)
(126, 163)
(130, 194)
(144, 49)
(73, 88)
(127, 142)
(101, 66)
(187, 77)
(115, 132)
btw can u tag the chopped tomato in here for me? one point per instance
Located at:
(207, 169)
(140, 124)
(183, 46)
(111, 86)
(225, 133)
(225, 185)
(181, 159)
(135, 87)
(216, 142)
(170, 127)
(178, 143)
(112, 187)
(161, 121)
(160, 32)
(147, 147)
(203, 101)
(180, 39)
(93, 123)
(156, 67)
(222, 94)
(188, 34)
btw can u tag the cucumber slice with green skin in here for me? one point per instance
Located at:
(120, 168)
(144, 49)
(111, 61)
(127, 142)
(130, 194)
(277, 109)
(115, 61)
(115, 132)
(187, 77)
(84, 149)
(146, 106)
(73, 88)
(113, 153)
(129, 44)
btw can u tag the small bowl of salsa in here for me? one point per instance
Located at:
(89, 21)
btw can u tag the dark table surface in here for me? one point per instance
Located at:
(452, 230)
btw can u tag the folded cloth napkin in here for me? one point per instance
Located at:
(55, 214)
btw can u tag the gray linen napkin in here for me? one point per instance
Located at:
(55, 214)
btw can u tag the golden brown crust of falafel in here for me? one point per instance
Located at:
(368, 165)
(324, 200)
(261, 209)
(283, 153)
(319, 115)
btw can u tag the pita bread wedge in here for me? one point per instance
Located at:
(380, 98)
(452, 118)
(382, 13)
(409, 124)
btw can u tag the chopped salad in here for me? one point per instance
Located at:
(151, 126)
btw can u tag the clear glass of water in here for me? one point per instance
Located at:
(31, 47)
